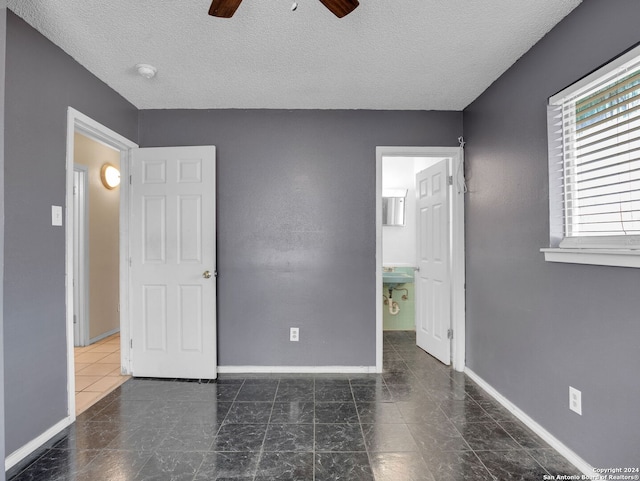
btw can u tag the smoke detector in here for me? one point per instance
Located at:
(146, 70)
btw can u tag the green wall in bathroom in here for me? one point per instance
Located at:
(405, 320)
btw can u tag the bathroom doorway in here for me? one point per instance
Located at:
(396, 171)
(399, 238)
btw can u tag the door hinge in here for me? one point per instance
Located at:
(130, 261)
(450, 180)
(130, 179)
(449, 333)
(75, 319)
(131, 343)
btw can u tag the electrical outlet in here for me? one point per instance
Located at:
(294, 334)
(575, 400)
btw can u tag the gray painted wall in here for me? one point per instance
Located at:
(296, 224)
(41, 81)
(3, 31)
(534, 328)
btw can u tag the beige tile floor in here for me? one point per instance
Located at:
(97, 371)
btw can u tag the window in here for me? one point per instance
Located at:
(594, 159)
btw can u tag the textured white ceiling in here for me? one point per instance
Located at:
(387, 54)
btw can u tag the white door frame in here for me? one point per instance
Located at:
(80, 258)
(78, 122)
(457, 245)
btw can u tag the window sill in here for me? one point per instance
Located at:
(596, 257)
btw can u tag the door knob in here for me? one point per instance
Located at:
(206, 274)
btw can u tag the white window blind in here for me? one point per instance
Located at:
(595, 149)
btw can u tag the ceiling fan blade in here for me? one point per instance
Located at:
(224, 8)
(340, 8)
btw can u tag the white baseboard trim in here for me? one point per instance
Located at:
(105, 335)
(556, 444)
(296, 369)
(21, 453)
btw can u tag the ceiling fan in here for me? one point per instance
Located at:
(226, 8)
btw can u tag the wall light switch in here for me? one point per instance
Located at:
(56, 215)
(575, 400)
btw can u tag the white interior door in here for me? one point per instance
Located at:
(173, 263)
(433, 307)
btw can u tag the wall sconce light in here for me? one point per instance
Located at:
(110, 176)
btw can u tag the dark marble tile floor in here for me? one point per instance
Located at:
(418, 421)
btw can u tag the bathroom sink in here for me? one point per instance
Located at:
(394, 279)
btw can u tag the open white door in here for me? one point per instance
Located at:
(173, 263)
(433, 288)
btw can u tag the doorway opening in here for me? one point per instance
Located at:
(96, 215)
(399, 166)
(109, 335)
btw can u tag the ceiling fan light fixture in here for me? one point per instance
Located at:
(226, 8)
(147, 71)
